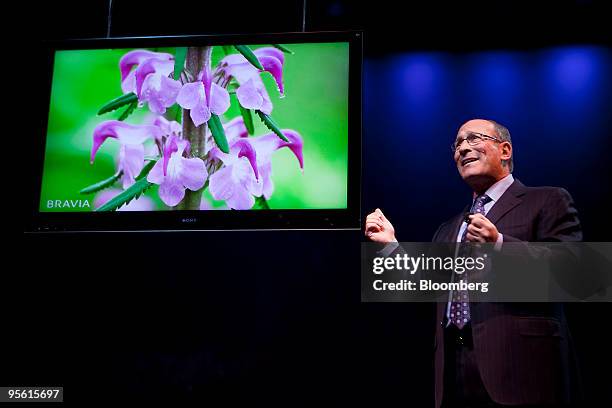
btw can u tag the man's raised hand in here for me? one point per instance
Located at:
(378, 228)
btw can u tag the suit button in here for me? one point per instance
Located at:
(460, 340)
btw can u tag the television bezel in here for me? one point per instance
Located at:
(182, 220)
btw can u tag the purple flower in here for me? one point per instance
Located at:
(265, 146)
(235, 129)
(252, 93)
(131, 152)
(150, 80)
(247, 170)
(168, 128)
(238, 181)
(203, 98)
(174, 173)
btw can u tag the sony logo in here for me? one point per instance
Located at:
(189, 219)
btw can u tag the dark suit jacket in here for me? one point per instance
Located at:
(523, 350)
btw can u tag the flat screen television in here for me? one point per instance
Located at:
(201, 133)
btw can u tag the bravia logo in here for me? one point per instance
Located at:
(68, 204)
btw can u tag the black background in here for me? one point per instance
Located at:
(266, 316)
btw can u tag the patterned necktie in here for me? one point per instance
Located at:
(460, 305)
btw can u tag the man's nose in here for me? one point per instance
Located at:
(464, 149)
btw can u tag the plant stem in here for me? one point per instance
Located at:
(196, 60)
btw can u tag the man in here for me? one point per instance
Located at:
(499, 354)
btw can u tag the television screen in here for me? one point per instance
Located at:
(188, 126)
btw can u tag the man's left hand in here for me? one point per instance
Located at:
(480, 229)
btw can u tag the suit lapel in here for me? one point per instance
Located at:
(508, 200)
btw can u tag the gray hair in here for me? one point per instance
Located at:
(504, 134)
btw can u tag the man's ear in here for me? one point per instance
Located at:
(506, 151)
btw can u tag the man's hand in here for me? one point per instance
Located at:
(480, 229)
(378, 228)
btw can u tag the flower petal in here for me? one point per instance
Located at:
(219, 100)
(129, 83)
(190, 95)
(156, 175)
(242, 71)
(296, 145)
(193, 173)
(160, 92)
(236, 184)
(131, 162)
(267, 105)
(253, 186)
(266, 56)
(265, 171)
(125, 132)
(221, 185)
(274, 66)
(206, 76)
(132, 58)
(235, 128)
(242, 175)
(270, 52)
(152, 66)
(243, 148)
(170, 147)
(233, 59)
(168, 127)
(171, 192)
(267, 144)
(240, 200)
(200, 114)
(248, 96)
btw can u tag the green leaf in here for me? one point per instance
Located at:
(146, 169)
(175, 113)
(248, 119)
(218, 133)
(128, 111)
(271, 124)
(248, 54)
(283, 49)
(261, 204)
(118, 102)
(101, 185)
(132, 192)
(227, 49)
(179, 61)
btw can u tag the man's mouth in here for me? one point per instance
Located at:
(468, 160)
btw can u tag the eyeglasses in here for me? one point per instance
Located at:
(473, 139)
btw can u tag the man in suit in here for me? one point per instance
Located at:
(499, 354)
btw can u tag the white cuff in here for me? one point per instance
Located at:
(499, 242)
